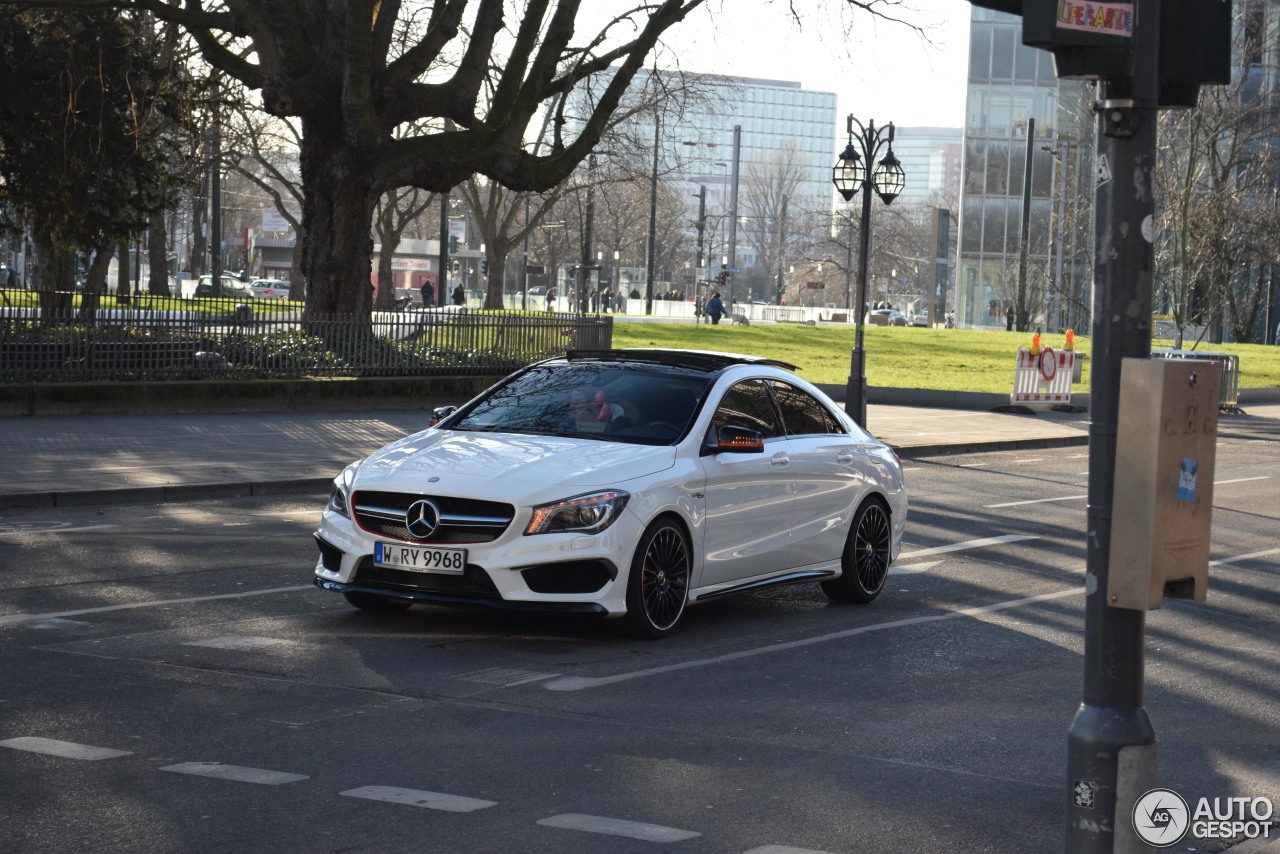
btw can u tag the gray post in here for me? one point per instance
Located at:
(653, 216)
(442, 278)
(1111, 748)
(733, 212)
(1023, 312)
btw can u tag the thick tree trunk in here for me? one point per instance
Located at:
(94, 279)
(122, 272)
(158, 255)
(297, 279)
(337, 248)
(56, 282)
(199, 249)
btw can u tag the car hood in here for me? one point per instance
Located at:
(480, 464)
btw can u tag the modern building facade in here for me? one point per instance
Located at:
(779, 126)
(1018, 112)
(930, 157)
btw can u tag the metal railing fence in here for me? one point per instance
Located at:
(226, 339)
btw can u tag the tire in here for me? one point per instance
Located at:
(865, 562)
(658, 584)
(374, 602)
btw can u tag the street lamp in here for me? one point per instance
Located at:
(888, 180)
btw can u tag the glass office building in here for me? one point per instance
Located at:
(1013, 92)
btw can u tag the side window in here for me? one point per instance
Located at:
(747, 405)
(802, 414)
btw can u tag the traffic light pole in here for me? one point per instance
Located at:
(1111, 748)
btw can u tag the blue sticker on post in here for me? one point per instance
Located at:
(1187, 481)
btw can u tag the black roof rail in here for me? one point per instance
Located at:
(706, 360)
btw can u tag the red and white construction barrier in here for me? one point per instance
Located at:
(1043, 377)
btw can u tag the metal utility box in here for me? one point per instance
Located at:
(1162, 502)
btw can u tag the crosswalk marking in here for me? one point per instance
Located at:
(966, 545)
(508, 677)
(618, 827)
(244, 643)
(64, 749)
(417, 798)
(235, 773)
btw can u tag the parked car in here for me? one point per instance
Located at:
(920, 319)
(625, 484)
(232, 288)
(269, 289)
(886, 317)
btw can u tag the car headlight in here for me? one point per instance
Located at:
(582, 514)
(340, 491)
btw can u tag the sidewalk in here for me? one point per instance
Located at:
(83, 459)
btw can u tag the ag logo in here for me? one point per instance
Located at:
(1161, 818)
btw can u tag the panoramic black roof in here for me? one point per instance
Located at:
(702, 360)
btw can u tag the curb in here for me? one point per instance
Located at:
(249, 489)
(162, 494)
(912, 451)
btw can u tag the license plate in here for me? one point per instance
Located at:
(420, 558)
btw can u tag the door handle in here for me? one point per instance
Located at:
(844, 457)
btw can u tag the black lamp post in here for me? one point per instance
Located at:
(850, 175)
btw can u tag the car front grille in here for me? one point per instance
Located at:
(463, 521)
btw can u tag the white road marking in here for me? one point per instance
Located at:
(56, 623)
(913, 568)
(65, 749)
(972, 465)
(507, 677)
(26, 618)
(783, 849)
(60, 528)
(241, 642)
(1031, 460)
(579, 683)
(1242, 480)
(417, 798)
(1034, 501)
(1238, 558)
(618, 827)
(966, 545)
(235, 773)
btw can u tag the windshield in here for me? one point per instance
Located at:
(612, 402)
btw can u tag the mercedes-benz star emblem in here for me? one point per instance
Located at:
(421, 519)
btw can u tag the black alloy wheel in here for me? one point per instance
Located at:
(658, 586)
(865, 562)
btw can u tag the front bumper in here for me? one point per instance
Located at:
(569, 573)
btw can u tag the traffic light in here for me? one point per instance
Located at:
(484, 267)
(1094, 41)
(453, 243)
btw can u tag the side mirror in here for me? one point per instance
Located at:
(739, 440)
(440, 413)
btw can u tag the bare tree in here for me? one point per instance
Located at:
(1217, 178)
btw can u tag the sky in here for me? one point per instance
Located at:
(884, 71)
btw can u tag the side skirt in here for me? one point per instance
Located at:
(758, 584)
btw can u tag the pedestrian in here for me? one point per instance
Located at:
(1008, 319)
(428, 294)
(715, 308)
(607, 299)
(459, 295)
(551, 298)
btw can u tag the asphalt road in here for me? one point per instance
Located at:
(172, 682)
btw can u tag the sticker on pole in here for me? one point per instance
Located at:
(1043, 375)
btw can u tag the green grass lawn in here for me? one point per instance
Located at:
(903, 357)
